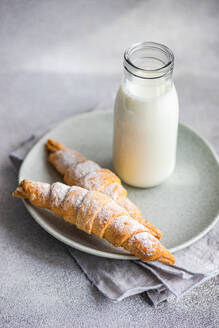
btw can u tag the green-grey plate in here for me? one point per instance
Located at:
(185, 207)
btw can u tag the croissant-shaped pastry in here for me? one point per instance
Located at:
(79, 171)
(96, 213)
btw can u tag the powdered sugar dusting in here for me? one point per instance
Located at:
(93, 202)
(43, 191)
(130, 207)
(78, 196)
(88, 210)
(114, 190)
(63, 159)
(94, 181)
(147, 241)
(58, 193)
(111, 209)
(85, 168)
(127, 224)
(98, 180)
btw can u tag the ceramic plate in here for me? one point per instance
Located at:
(185, 207)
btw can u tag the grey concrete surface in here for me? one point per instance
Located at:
(58, 58)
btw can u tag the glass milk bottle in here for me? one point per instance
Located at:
(146, 116)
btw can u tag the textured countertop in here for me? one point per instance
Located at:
(58, 58)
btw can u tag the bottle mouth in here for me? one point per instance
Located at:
(149, 60)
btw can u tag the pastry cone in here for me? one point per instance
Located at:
(96, 213)
(79, 171)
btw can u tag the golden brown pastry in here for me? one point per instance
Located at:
(96, 213)
(79, 171)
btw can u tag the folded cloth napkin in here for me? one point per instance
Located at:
(118, 279)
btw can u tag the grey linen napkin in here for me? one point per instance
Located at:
(118, 279)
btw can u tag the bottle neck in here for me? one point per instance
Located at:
(148, 68)
(146, 88)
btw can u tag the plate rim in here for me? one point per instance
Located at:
(59, 236)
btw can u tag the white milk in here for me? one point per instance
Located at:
(145, 131)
